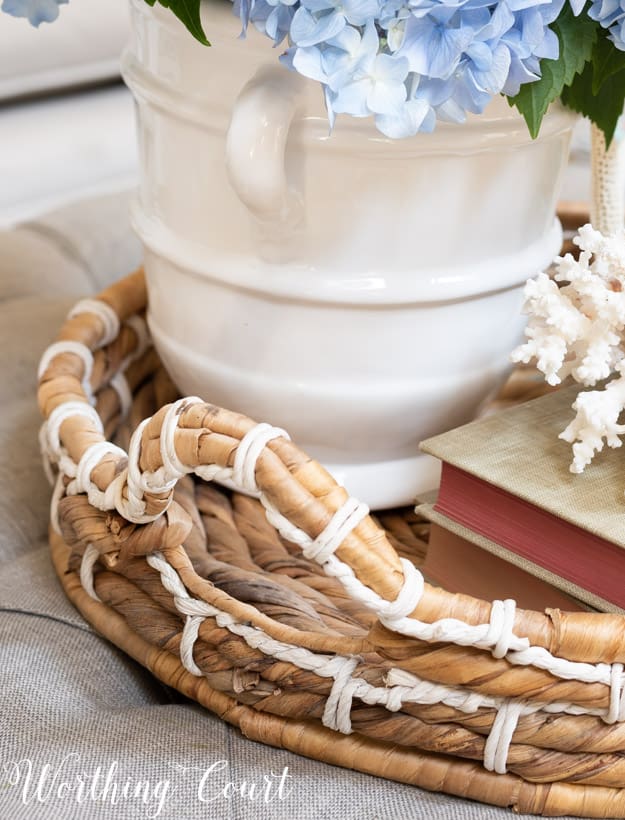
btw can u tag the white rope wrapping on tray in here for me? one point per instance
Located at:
(119, 382)
(87, 564)
(616, 710)
(53, 451)
(49, 434)
(77, 349)
(140, 328)
(248, 452)
(61, 414)
(120, 386)
(402, 687)
(497, 635)
(104, 312)
(57, 494)
(91, 458)
(497, 746)
(337, 711)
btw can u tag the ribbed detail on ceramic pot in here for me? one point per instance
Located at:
(355, 261)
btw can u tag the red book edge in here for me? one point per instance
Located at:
(461, 566)
(580, 557)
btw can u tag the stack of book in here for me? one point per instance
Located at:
(511, 520)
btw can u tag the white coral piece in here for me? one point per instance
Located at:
(597, 418)
(578, 329)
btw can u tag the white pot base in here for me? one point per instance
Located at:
(387, 484)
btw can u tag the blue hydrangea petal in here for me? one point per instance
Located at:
(611, 15)
(494, 78)
(532, 31)
(391, 69)
(242, 9)
(551, 12)
(617, 35)
(287, 59)
(352, 99)
(355, 55)
(476, 19)
(392, 10)
(416, 115)
(501, 21)
(521, 5)
(435, 8)
(481, 54)
(386, 98)
(370, 39)
(316, 6)
(442, 14)
(451, 111)
(431, 49)
(308, 30)
(436, 59)
(357, 12)
(329, 99)
(605, 10)
(277, 23)
(519, 74)
(549, 49)
(387, 92)
(435, 92)
(36, 11)
(395, 34)
(349, 39)
(307, 62)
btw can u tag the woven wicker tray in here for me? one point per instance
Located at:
(296, 615)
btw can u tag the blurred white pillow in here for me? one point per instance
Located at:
(81, 47)
(65, 147)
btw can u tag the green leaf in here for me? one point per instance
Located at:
(577, 36)
(188, 11)
(607, 60)
(603, 107)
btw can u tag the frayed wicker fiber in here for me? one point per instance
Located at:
(290, 611)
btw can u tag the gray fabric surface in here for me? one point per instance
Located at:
(68, 699)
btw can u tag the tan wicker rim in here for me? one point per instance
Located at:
(552, 681)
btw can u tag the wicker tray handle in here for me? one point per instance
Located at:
(301, 499)
(100, 350)
(498, 679)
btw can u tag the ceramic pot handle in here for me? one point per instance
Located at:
(256, 146)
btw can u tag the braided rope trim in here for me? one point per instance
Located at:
(402, 687)
(53, 452)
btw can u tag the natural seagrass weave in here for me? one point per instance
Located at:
(295, 615)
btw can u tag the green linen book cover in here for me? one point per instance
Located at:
(518, 450)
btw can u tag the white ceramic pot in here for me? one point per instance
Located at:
(362, 293)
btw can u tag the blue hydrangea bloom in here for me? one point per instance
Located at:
(611, 15)
(407, 63)
(37, 11)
